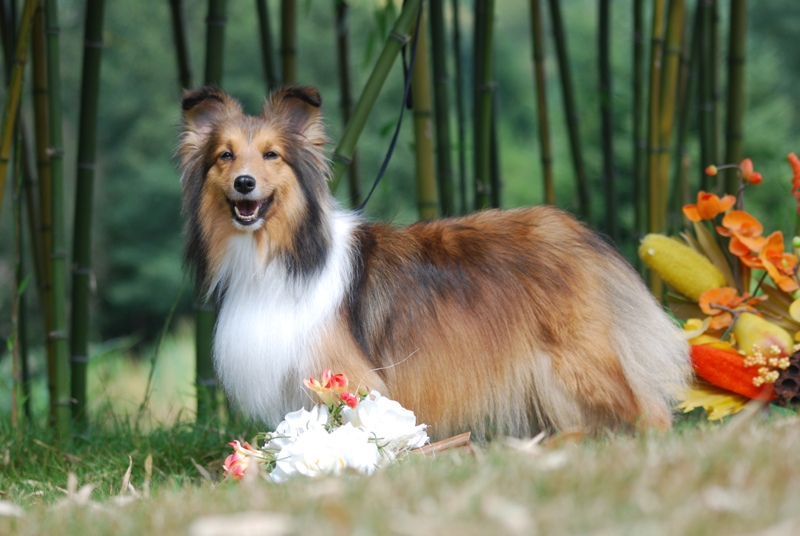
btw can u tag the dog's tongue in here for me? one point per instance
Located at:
(246, 208)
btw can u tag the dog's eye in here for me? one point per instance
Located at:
(270, 155)
(227, 155)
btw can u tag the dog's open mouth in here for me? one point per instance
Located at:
(249, 211)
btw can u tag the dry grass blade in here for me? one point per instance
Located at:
(203, 471)
(148, 474)
(9, 509)
(126, 479)
(255, 523)
(459, 441)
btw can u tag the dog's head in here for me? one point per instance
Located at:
(243, 174)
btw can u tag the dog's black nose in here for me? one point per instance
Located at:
(244, 184)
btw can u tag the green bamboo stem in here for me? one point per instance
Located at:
(84, 194)
(461, 130)
(181, 44)
(686, 101)
(400, 34)
(734, 128)
(289, 41)
(570, 109)
(669, 88)
(484, 89)
(58, 252)
(494, 160)
(45, 229)
(10, 111)
(427, 203)
(639, 140)
(653, 140)
(444, 168)
(606, 124)
(708, 114)
(7, 35)
(215, 41)
(17, 309)
(265, 33)
(343, 55)
(546, 153)
(206, 380)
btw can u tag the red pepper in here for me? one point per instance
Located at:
(726, 369)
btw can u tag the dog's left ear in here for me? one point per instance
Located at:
(300, 106)
(203, 109)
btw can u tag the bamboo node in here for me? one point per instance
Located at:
(338, 157)
(65, 402)
(402, 38)
(57, 335)
(91, 43)
(79, 358)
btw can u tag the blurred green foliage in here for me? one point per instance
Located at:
(137, 234)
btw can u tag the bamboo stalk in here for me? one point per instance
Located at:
(427, 203)
(639, 141)
(653, 141)
(45, 230)
(215, 41)
(669, 87)
(606, 125)
(686, 101)
(11, 108)
(460, 112)
(8, 37)
(708, 114)
(734, 129)
(343, 54)
(546, 153)
(400, 34)
(206, 381)
(17, 308)
(181, 44)
(570, 109)
(84, 193)
(265, 33)
(444, 168)
(58, 265)
(496, 181)
(484, 89)
(289, 41)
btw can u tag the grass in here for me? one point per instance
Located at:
(737, 478)
(161, 475)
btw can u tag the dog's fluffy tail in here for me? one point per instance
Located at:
(652, 351)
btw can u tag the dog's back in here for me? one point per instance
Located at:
(499, 322)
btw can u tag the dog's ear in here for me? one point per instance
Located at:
(202, 109)
(300, 107)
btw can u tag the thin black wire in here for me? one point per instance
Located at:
(406, 104)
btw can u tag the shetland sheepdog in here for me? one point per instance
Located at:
(500, 322)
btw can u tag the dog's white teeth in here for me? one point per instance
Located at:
(244, 217)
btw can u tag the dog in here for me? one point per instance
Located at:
(500, 322)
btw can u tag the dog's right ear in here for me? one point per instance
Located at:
(204, 108)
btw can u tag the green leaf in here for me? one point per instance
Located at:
(23, 285)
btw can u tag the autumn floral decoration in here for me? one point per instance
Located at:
(345, 432)
(737, 292)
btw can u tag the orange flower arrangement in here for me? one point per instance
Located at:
(740, 332)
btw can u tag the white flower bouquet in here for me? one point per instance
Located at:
(346, 432)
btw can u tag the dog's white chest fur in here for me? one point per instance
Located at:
(269, 324)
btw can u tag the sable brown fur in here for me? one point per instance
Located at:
(501, 322)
